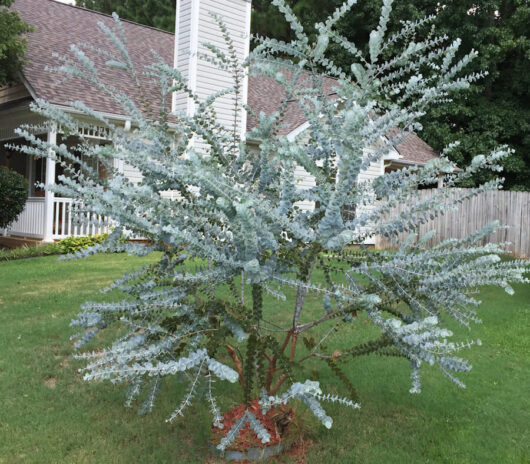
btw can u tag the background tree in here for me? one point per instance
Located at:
(154, 13)
(12, 45)
(494, 109)
(497, 107)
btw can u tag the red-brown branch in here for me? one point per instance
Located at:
(278, 384)
(237, 362)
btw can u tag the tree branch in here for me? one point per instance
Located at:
(237, 362)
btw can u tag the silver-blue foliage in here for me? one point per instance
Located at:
(235, 213)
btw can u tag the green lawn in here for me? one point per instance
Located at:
(47, 414)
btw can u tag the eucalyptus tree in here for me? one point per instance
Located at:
(236, 211)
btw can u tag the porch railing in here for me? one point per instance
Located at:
(68, 222)
(30, 223)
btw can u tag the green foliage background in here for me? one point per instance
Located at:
(154, 13)
(494, 111)
(13, 196)
(12, 45)
(64, 246)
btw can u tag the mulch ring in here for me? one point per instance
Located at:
(247, 447)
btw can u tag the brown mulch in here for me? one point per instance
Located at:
(276, 421)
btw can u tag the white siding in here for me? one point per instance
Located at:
(209, 78)
(11, 120)
(376, 169)
(195, 26)
(306, 181)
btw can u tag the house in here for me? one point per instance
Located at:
(57, 25)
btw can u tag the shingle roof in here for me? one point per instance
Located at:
(58, 25)
(266, 95)
(414, 149)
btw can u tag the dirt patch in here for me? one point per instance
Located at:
(298, 451)
(50, 382)
(45, 288)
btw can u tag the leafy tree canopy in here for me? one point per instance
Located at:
(154, 13)
(496, 109)
(12, 45)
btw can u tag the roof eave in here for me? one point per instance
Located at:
(406, 162)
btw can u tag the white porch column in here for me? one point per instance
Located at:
(49, 196)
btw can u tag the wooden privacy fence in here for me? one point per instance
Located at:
(511, 209)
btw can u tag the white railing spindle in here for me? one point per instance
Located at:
(68, 225)
(30, 223)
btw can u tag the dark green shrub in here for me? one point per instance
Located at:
(13, 196)
(73, 244)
